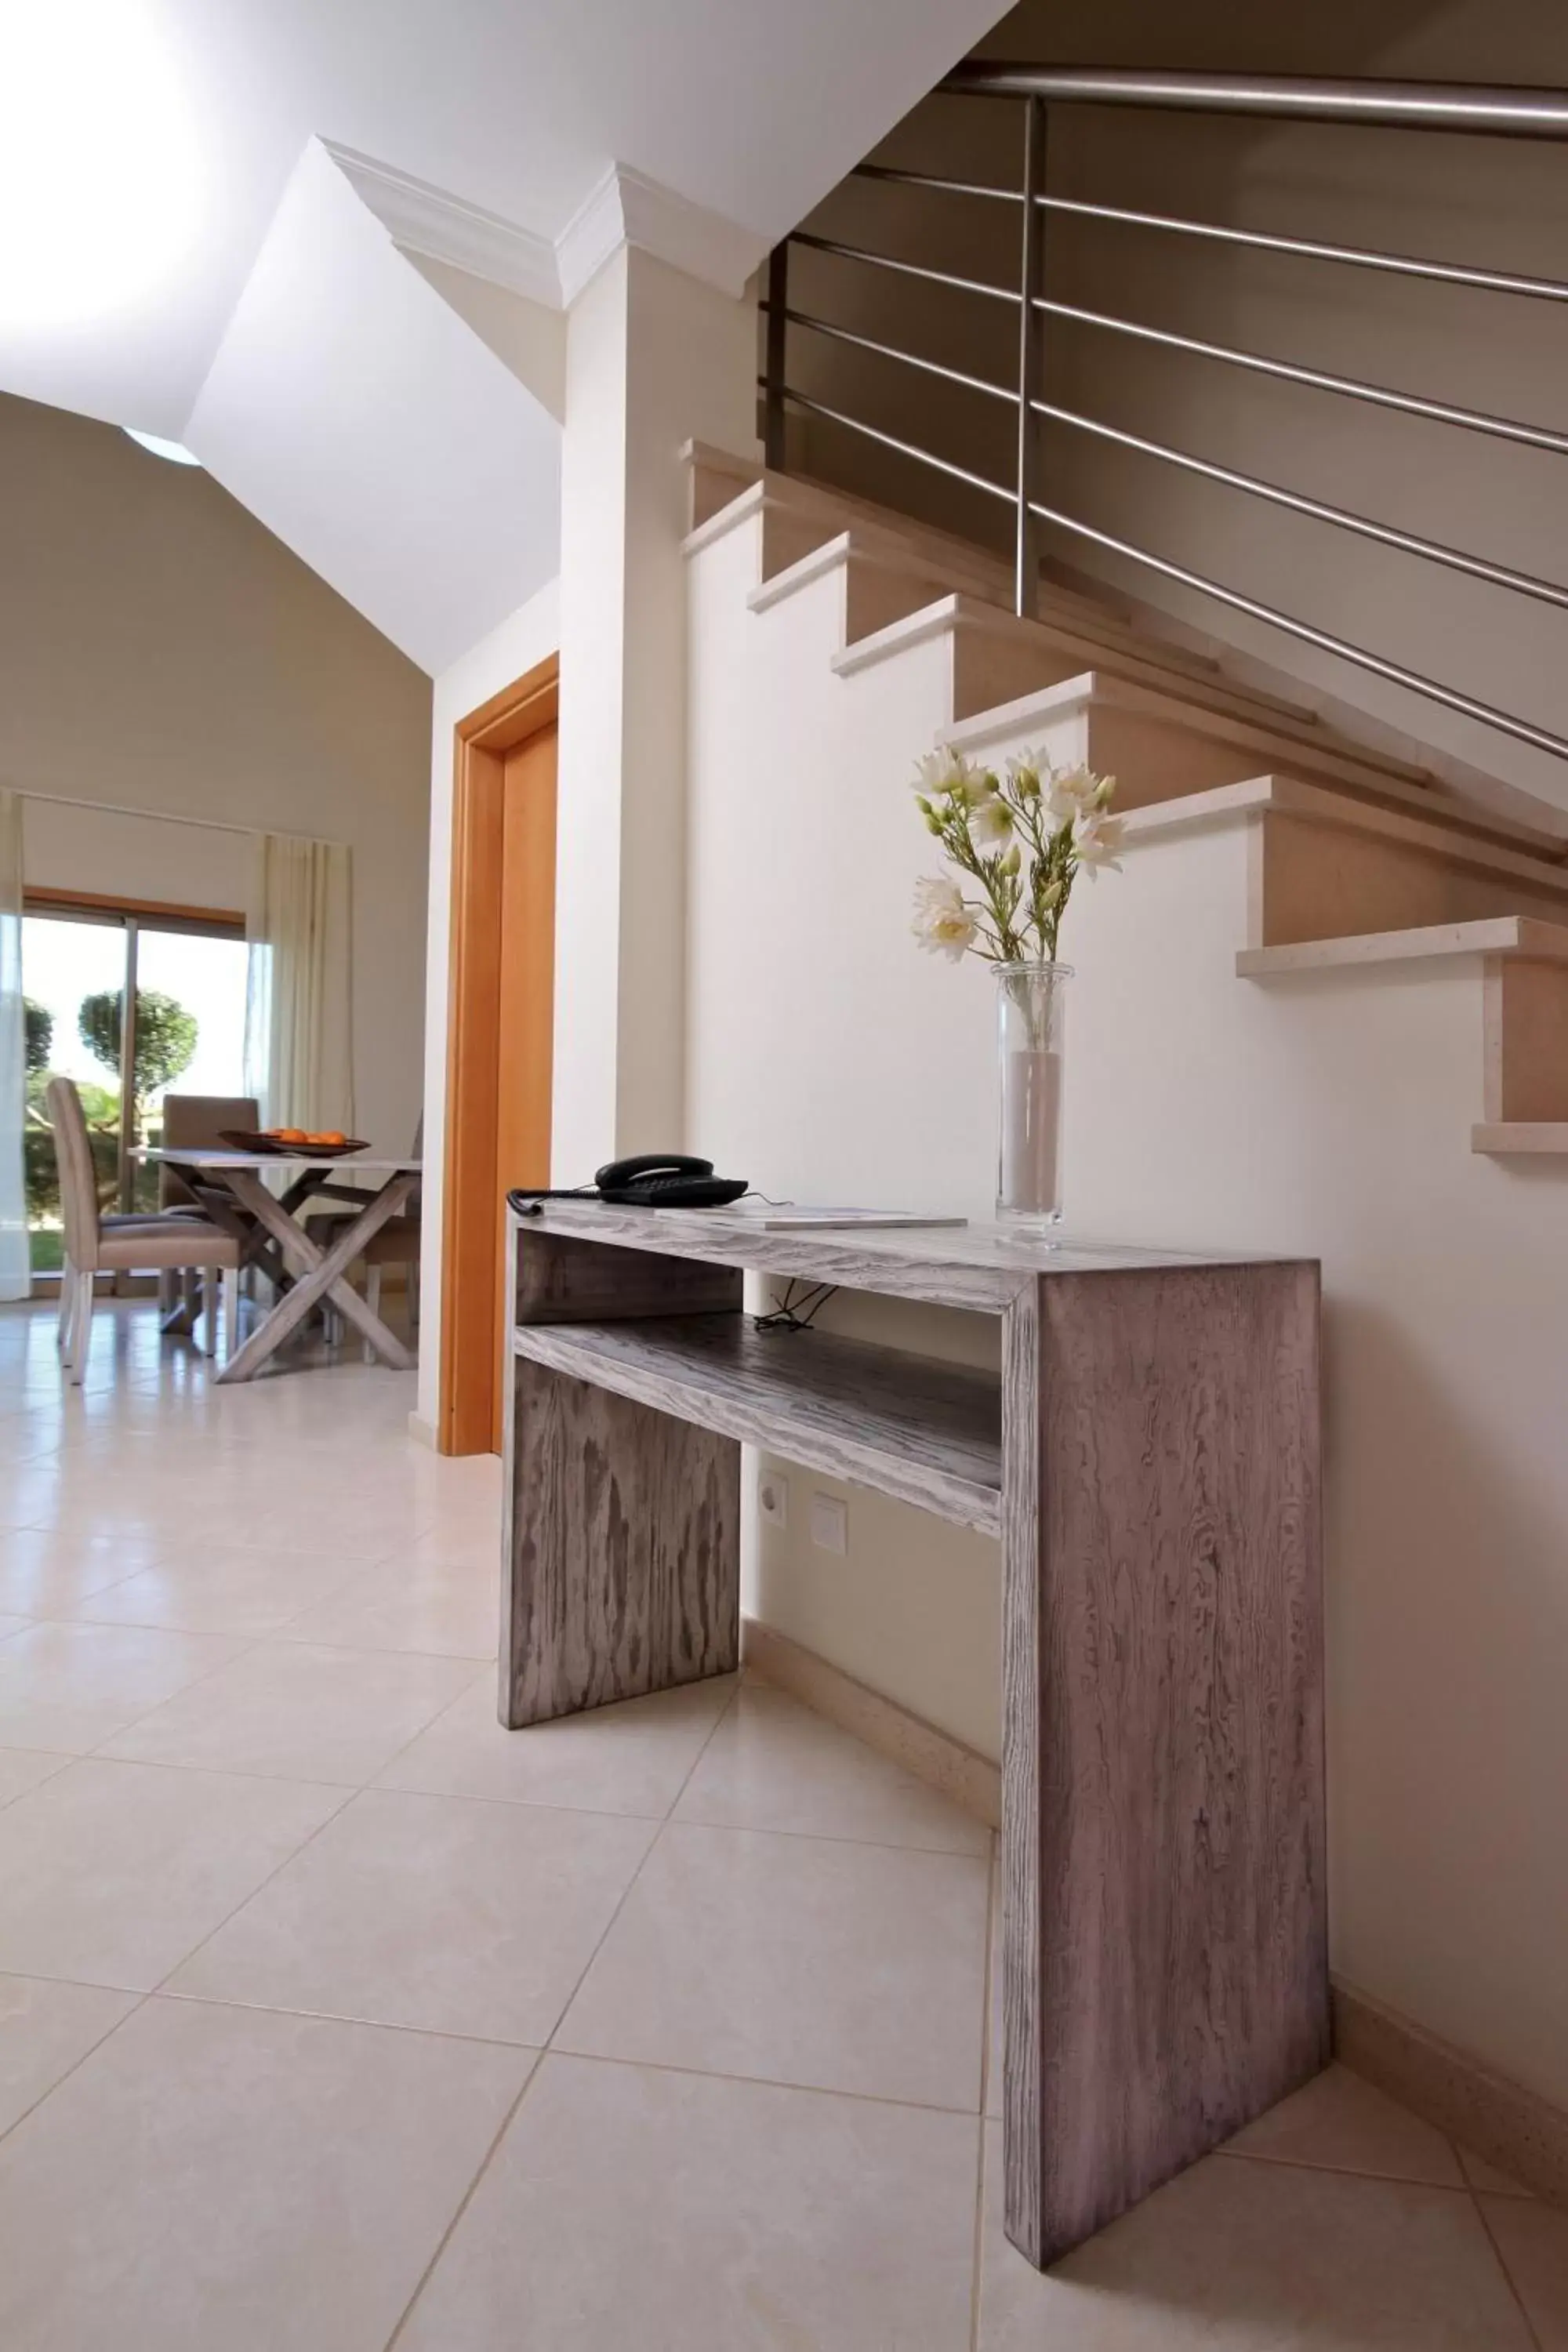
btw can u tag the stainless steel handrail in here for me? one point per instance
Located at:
(1475, 420)
(1360, 257)
(893, 352)
(891, 441)
(905, 268)
(1433, 107)
(1487, 713)
(1502, 112)
(1497, 575)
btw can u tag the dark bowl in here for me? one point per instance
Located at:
(243, 1140)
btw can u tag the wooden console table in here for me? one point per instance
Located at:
(1149, 1458)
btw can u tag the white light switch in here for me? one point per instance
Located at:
(829, 1523)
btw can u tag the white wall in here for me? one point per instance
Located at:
(368, 425)
(523, 639)
(162, 652)
(828, 1058)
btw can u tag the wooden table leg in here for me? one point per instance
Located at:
(321, 1273)
(621, 1525)
(1164, 1966)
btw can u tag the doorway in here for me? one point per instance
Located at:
(500, 1034)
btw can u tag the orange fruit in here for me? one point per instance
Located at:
(290, 1134)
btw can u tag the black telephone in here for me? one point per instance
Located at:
(653, 1180)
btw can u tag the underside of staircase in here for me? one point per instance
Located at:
(1361, 856)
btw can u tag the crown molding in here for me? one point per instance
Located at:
(443, 227)
(625, 208)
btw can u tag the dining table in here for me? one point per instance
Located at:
(304, 1275)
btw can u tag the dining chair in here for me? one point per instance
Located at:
(197, 1123)
(96, 1243)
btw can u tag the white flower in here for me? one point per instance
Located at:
(1025, 770)
(942, 922)
(1096, 841)
(990, 819)
(942, 771)
(1070, 794)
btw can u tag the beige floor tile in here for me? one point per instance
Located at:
(630, 1759)
(304, 1712)
(1344, 2123)
(1235, 2256)
(44, 1573)
(22, 1768)
(837, 1966)
(112, 1872)
(773, 1765)
(68, 1687)
(223, 2181)
(439, 1912)
(462, 1540)
(1485, 2176)
(44, 2030)
(726, 2216)
(1533, 2239)
(401, 1604)
(220, 1589)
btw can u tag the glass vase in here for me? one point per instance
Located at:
(1031, 1005)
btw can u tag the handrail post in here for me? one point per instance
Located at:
(774, 365)
(1026, 571)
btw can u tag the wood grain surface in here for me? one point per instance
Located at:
(622, 1538)
(1165, 1927)
(980, 1266)
(561, 1278)
(926, 1432)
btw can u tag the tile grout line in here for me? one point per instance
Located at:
(538, 2066)
(977, 2245)
(138, 2003)
(1501, 2260)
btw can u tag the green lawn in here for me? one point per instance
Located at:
(47, 1248)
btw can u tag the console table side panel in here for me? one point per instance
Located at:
(1182, 1969)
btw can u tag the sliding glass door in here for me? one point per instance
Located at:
(129, 1003)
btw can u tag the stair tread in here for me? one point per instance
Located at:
(1526, 936)
(1504, 1137)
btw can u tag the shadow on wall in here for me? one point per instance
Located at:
(1480, 1664)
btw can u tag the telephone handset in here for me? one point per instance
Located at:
(651, 1180)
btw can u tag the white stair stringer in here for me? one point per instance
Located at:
(1324, 1111)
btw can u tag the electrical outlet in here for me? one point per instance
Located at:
(829, 1523)
(773, 1498)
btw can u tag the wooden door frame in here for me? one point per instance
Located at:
(469, 1267)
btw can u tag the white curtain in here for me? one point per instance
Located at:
(16, 1278)
(299, 1013)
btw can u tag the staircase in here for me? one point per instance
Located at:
(1359, 859)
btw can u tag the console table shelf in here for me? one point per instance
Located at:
(928, 1433)
(1149, 1458)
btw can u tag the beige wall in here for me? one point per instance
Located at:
(162, 652)
(1486, 202)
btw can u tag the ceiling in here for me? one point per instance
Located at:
(146, 145)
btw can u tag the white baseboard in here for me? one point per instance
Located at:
(423, 1432)
(1500, 2119)
(934, 1756)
